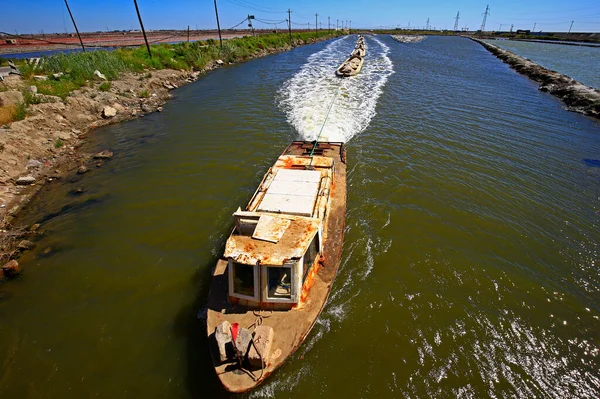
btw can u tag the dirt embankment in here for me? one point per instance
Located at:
(577, 96)
(44, 146)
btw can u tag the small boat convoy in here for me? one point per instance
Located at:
(279, 264)
(354, 63)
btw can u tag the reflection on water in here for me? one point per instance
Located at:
(469, 266)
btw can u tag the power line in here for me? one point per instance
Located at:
(270, 23)
(255, 7)
(235, 26)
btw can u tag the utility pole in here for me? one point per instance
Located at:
(534, 24)
(290, 25)
(485, 14)
(250, 17)
(337, 24)
(511, 27)
(350, 27)
(218, 26)
(569, 32)
(316, 25)
(427, 24)
(456, 21)
(142, 25)
(188, 33)
(329, 24)
(77, 30)
(500, 29)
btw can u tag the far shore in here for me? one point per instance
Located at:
(98, 40)
(15, 44)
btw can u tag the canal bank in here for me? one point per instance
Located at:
(577, 96)
(44, 146)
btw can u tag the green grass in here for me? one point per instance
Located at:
(58, 143)
(20, 112)
(31, 98)
(59, 88)
(144, 94)
(105, 86)
(78, 68)
(81, 66)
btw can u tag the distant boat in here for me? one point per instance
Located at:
(279, 264)
(353, 64)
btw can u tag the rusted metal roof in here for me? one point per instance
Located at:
(289, 205)
(290, 161)
(292, 244)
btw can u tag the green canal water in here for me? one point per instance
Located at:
(470, 261)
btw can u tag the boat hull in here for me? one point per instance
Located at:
(354, 72)
(290, 327)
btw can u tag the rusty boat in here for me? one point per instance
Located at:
(279, 264)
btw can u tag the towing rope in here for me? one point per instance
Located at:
(260, 315)
(326, 116)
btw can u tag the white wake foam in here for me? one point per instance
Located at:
(307, 96)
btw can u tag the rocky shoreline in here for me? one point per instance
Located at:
(407, 38)
(577, 96)
(45, 146)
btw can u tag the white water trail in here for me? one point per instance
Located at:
(308, 95)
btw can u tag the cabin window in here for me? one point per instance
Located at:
(279, 282)
(311, 255)
(243, 279)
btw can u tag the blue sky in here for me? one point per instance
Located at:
(51, 15)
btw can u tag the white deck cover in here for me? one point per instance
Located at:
(270, 228)
(292, 192)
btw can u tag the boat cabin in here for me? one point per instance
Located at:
(277, 240)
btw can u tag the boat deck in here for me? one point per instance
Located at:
(290, 326)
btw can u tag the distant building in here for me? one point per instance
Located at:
(523, 31)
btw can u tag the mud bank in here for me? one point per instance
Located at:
(45, 146)
(577, 96)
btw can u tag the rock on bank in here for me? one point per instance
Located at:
(32, 149)
(577, 96)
